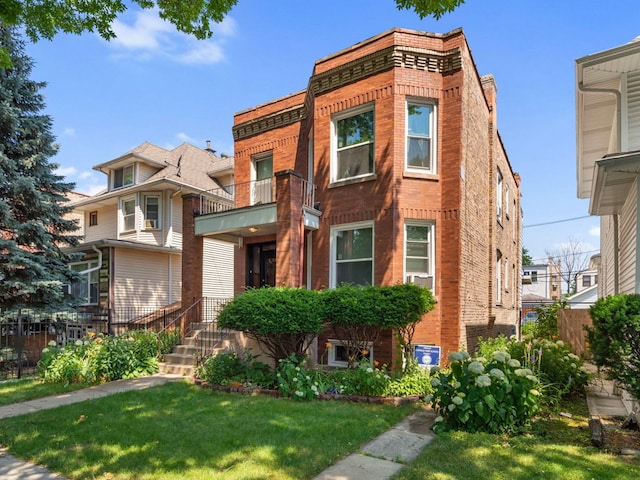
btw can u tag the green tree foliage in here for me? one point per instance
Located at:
(46, 19)
(359, 313)
(614, 338)
(283, 320)
(32, 198)
(526, 257)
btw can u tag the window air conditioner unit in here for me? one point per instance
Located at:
(151, 224)
(425, 281)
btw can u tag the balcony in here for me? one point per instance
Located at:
(251, 208)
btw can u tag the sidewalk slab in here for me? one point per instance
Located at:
(360, 467)
(13, 469)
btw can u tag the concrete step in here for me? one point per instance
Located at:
(180, 358)
(185, 370)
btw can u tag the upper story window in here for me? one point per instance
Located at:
(421, 137)
(498, 277)
(418, 254)
(123, 177)
(93, 219)
(151, 212)
(262, 188)
(507, 205)
(586, 280)
(354, 144)
(499, 195)
(352, 254)
(128, 207)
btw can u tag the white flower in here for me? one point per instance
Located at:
(428, 398)
(535, 392)
(465, 355)
(501, 357)
(452, 407)
(496, 372)
(476, 367)
(52, 343)
(299, 393)
(369, 370)
(457, 400)
(45, 350)
(483, 381)
(533, 378)
(314, 388)
(78, 343)
(461, 394)
(573, 365)
(438, 419)
(435, 382)
(513, 363)
(523, 372)
(560, 343)
(456, 384)
(455, 357)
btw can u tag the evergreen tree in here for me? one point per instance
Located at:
(33, 199)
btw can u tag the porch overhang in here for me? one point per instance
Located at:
(240, 222)
(613, 178)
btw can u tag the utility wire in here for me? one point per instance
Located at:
(557, 221)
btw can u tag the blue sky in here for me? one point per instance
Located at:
(154, 84)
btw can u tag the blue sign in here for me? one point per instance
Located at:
(427, 355)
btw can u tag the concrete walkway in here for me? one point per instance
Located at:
(379, 459)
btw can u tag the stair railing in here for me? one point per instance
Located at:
(180, 323)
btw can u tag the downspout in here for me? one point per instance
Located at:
(93, 269)
(618, 95)
(168, 241)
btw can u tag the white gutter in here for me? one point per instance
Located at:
(93, 269)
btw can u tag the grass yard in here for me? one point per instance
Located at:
(180, 431)
(557, 448)
(14, 391)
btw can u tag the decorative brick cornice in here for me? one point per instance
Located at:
(269, 122)
(397, 56)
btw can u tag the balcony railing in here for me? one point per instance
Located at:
(245, 194)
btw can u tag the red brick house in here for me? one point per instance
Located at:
(387, 168)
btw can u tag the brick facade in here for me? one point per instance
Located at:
(459, 199)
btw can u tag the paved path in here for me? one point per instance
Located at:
(379, 459)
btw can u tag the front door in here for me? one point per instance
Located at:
(261, 265)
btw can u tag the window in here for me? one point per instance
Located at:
(93, 219)
(586, 280)
(151, 212)
(506, 201)
(128, 214)
(352, 255)
(263, 174)
(123, 177)
(506, 274)
(534, 277)
(498, 277)
(420, 137)
(418, 253)
(354, 144)
(499, 195)
(85, 288)
(338, 354)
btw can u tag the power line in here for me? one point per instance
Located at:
(557, 221)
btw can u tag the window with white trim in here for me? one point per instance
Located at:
(499, 195)
(420, 149)
(128, 208)
(418, 253)
(123, 177)
(152, 212)
(353, 147)
(352, 254)
(507, 205)
(506, 274)
(262, 188)
(85, 288)
(338, 354)
(498, 277)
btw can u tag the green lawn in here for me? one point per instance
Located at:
(180, 431)
(14, 391)
(556, 448)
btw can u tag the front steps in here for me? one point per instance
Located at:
(201, 340)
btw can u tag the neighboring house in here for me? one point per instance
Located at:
(586, 279)
(387, 168)
(133, 231)
(542, 280)
(608, 159)
(584, 298)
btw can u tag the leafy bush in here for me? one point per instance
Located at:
(100, 359)
(228, 367)
(614, 339)
(298, 382)
(492, 396)
(364, 380)
(282, 319)
(415, 380)
(546, 325)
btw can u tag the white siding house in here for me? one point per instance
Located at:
(608, 158)
(132, 242)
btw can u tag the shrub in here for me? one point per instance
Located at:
(614, 339)
(227, 367)
(282, 319)
(415, 380)
(299, 383)
(492, 396)
(364, 380)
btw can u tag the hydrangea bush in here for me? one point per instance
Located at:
(479, 395)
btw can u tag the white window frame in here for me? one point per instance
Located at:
(498, 277)
(506, 275)
(335, 230)
(88, 273)
(370, 107)
(331, 356)
(123, 169)
(261, 190)
(152, 224)
(499, 180)
(426, 279)
(507, 206)
(432, 136)
(123, 217)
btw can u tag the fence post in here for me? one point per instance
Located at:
(19, 349)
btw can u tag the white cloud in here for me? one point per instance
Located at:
(66, 171)
(149, 37)
(594, 231)
(69, 132)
